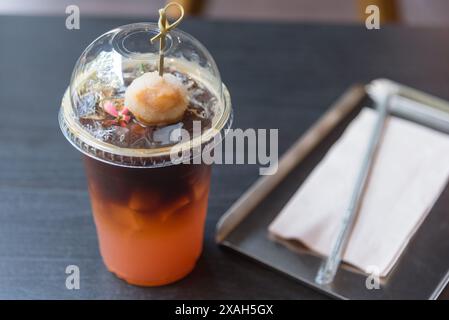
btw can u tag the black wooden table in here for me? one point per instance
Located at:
(280, 76)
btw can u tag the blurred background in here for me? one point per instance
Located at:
(408, 12)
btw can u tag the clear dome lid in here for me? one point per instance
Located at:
(108, 66)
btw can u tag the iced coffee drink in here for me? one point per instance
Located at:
(121, 112)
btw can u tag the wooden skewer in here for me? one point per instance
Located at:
(164, 28)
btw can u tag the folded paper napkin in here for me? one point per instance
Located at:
(409, 172)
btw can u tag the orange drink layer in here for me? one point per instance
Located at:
(150, 222)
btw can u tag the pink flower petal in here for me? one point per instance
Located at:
(110, 108)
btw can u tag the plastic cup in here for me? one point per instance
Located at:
(149, 212)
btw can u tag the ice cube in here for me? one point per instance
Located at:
(87, 104)
(173, 207)
(99, 132)
(144, 200)
(119, 136)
